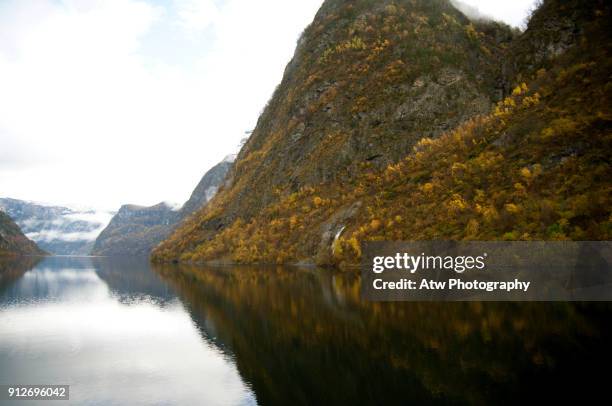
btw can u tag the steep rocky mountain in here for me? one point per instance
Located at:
(207, 187)
(135, 230)
(13, 241)
(367, 81)
(56, 229)
(405, 120)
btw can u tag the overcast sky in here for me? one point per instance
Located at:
(105, 102)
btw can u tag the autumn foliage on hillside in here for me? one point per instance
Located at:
(537, 167)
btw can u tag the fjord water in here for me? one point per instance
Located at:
(122, 332)
(115, 333)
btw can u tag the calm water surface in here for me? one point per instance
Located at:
(122, 333)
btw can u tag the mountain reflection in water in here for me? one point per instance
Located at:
(121, 332)
(306, 337)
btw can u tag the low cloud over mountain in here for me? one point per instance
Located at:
(56, 229)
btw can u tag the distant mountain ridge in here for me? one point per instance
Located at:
(57, 229)
(135, 230)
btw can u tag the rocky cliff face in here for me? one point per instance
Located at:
(367, 81)
(56, 229)
(135, 230)
(207, 187)
(13, 241)
(405, 120)
(556, 27)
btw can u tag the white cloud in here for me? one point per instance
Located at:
(512, 12)
(196, 15)
(62, 228)
(98, 111)
(59, 235)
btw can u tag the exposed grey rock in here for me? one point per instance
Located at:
(206, 188)
(134, 230)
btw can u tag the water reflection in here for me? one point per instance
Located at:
(305, 337)
(13, 268)
(115, 333)
(120, 333)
